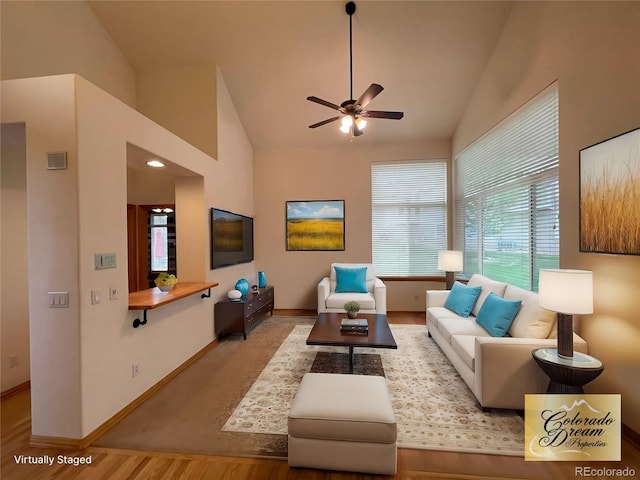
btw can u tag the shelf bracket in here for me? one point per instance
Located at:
(137, 322)
(206, 295)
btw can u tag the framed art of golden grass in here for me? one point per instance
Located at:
(610, 195)
(315, 225)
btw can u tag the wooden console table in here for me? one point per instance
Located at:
(238, 316)
(153, 297)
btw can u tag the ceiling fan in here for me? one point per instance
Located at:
(352, 112)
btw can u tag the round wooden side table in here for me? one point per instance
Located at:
(567, 374)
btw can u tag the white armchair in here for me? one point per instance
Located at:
(374, 300)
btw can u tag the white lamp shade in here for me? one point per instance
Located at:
(566, 291)
(450, 261)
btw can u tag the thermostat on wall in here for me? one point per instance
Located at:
(56, 160)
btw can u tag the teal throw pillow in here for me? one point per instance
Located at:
(497, 314)
(351, 280)
(462, 298)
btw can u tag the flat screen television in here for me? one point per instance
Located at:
(231, 238)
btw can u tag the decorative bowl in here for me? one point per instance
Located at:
(166, 288)
(234, 294)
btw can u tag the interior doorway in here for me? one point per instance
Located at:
(151, 239)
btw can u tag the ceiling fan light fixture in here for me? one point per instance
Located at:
(350, 111)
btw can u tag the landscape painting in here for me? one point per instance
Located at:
(315, 225)
(609, 193)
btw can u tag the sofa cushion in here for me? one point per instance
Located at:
(497, 314)
(337, 300)
(488, 286)
(434, 314)
(461, 299)
(465, 347)
(460, 326)
(532, 321)
(351, 279)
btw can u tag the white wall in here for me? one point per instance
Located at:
(592, 50)
(82, 356)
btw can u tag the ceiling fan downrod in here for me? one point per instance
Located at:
(350, 8)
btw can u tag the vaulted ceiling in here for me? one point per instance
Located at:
(427, 55)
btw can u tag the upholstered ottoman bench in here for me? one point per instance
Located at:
(343, 422)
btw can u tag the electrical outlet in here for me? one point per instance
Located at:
(113, 293)
(13, 361)
(134, 370)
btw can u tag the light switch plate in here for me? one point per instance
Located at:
(95, 297)
(58, 299)
(102, 261)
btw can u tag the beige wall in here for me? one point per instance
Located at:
(341, 173)
(182, 100)
(46, 105)
(150, 187)
(40, 39)
(14, 288)
(592, 50)
(81, 357)
(50, 38)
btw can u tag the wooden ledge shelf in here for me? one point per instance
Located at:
(153, 298)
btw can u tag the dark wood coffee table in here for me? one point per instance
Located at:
(326, 331)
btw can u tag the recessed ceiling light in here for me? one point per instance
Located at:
(155, 163)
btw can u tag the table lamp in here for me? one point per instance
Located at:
(450, 261)
(569, 293)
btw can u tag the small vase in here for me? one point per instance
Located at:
(262, 280)
(352, 314)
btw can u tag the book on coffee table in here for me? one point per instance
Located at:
(354, 325)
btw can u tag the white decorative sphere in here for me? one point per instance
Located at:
(234, 294)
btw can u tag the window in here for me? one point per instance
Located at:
(506, 198)
(409, 217)
(161, 242)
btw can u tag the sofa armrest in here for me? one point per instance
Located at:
(505, 369)
(436, 298)
(324, 288)
(380, 296)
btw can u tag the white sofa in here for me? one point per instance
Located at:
(374, 300)
(498, 370)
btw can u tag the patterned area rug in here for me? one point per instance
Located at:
(434, 408)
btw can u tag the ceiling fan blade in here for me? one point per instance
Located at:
(324, 122)
(325, 103)
(369, 94)
(381, 114)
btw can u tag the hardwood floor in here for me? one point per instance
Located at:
(114, 464)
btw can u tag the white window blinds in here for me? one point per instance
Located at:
(409, 217)
(506, 196)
